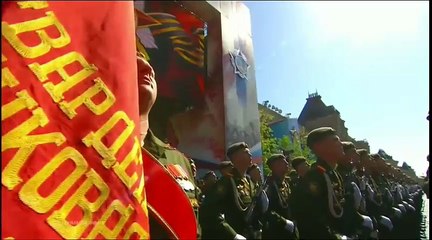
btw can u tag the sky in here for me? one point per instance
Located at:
(368, 59)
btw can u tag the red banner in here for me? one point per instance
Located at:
(71, 160)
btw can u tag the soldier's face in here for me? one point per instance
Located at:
(280, 167)
(352, 155)
(244, 157)
(147, 88)
(303, 168)
(331, 147)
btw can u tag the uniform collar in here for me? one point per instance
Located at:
(154, 145)
(276, 179)
(324, 164)
(345, 167)
(236, 173)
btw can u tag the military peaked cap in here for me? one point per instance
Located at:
(319, 134)
(348, 145)
(235, 147)
(252, 167)
(274, 158)
(225, 164)
(362, 152)
(295, 162)
(208, 174)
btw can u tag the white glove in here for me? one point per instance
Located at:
(402, 208)
(345, 237)
(397, 212)
(411, 208)
(371, 192)
(385, 221)
(367, 222)
(239, 237)
(362, 206)
(264, 202)
(357, 195)
(289, 226)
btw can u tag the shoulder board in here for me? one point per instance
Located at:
(321, 169)
(168, 146)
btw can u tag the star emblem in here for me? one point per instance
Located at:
(239, 62)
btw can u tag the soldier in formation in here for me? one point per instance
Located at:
(226, 168)
(278, 223)
(254, 173)
(346, 194)
(233, 208)
(176, 163)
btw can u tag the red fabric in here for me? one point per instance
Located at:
(172, 207)
(176, 77)
(104, 33)
(321, 169)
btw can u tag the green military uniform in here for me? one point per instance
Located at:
(321, 195)
(224, 209)
(293, 179)
(279, 195)
(352, 218)
(321, 210)
(171, 158)
(294, 176)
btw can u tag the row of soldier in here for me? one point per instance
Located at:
(344, 193)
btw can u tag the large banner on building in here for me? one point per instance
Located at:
(189, 110)
(71, 160)
(205, 73)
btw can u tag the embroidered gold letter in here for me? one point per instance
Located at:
(69, 108)
(58, 221)
(103, 230)
(11, 32)
(57, 65)
(33, 4)
(8, 79)
(95, 139)
(29, 193)
(136, 228)
(19, 137)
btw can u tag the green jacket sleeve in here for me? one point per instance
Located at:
(212, 221)
(313, 221)
(271, 216)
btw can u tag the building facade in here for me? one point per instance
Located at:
(280, 125)
(317, 114)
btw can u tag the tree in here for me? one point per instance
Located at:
(285, 143)
(305, 150)
(269, 144)
(297, 145)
